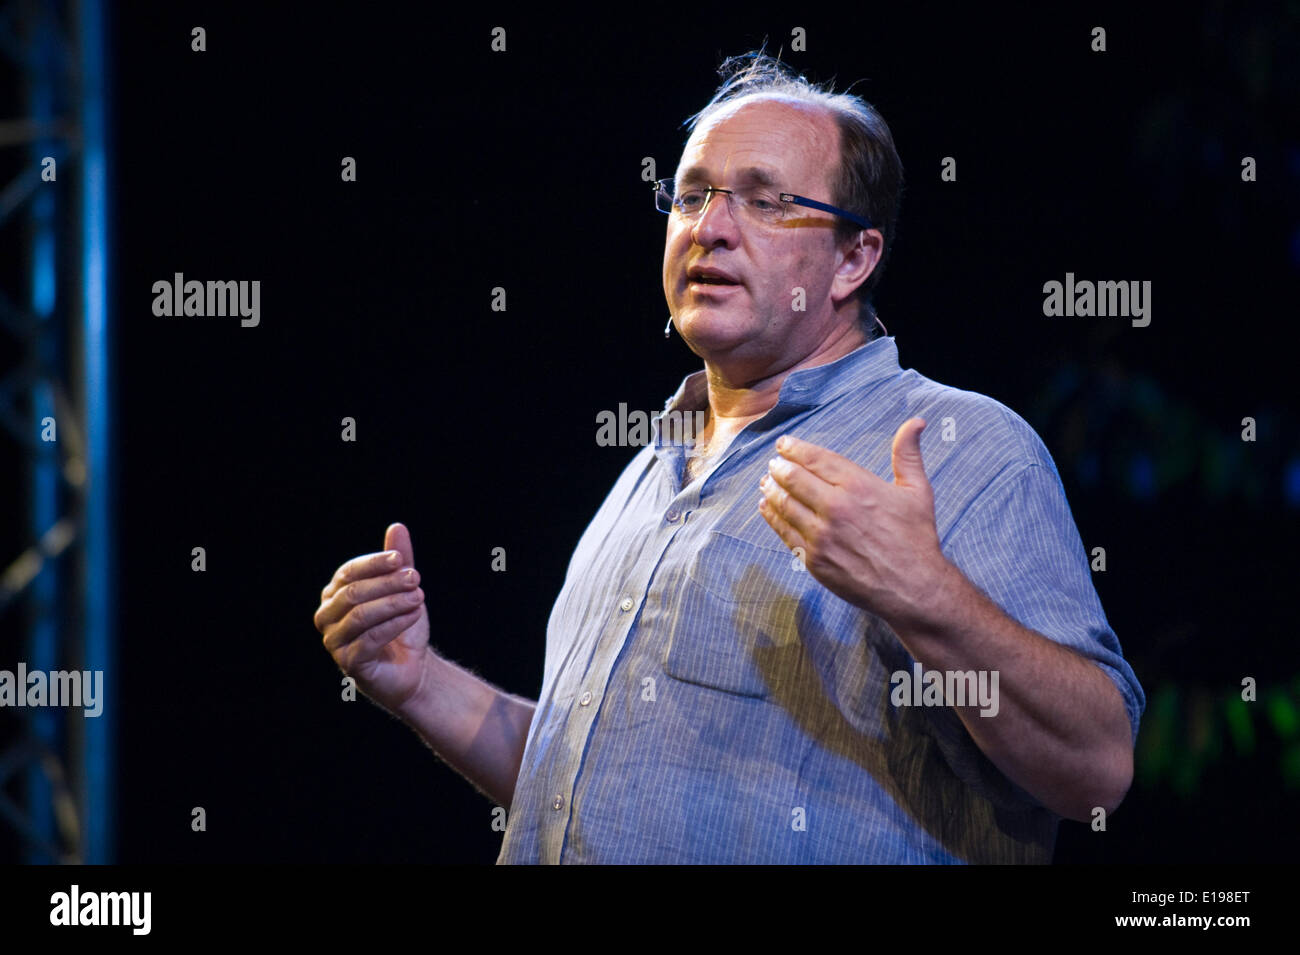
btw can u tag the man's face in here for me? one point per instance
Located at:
(754, 321)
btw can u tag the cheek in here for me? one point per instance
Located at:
(675, 249)
(811, 270)
(795, 269)
(786, 271)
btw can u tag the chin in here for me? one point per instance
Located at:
(707, 329)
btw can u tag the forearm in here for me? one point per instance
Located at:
(476, 728)
(1061, 731)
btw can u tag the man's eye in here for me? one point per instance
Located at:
(764, 203)
(690, 200)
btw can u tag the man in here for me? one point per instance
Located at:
(741, 666)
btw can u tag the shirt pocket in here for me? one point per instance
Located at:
(741, 608)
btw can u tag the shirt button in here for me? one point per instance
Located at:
(671, 516)
(558, 804)
(627, 603)
(586, 698)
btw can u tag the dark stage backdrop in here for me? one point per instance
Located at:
(522, 170)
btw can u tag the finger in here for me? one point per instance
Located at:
(364, 590)
(370, 614)
(826, 464)
(789, 536)
(359, 568)
(398, 538)
(909, 469)
(369, 645)
(790, 509)
(803, 485)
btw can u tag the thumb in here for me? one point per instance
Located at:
(398, 538)
(909, 470)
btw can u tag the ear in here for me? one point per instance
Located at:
(859, 255)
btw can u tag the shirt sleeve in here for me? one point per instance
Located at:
(1019, 544)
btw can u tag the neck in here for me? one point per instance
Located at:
(734, 403)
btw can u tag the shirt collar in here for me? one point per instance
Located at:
(807, 387)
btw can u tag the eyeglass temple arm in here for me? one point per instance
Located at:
(814, 204)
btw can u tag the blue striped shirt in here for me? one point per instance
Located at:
(706, 700)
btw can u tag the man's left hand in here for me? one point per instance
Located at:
(869, 541)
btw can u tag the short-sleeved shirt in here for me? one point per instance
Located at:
(706, 700)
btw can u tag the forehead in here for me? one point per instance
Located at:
(788, 143)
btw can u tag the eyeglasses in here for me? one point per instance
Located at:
(759, 205)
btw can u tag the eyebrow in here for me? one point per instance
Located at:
(756, 175)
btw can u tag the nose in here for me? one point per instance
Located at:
(716, 224)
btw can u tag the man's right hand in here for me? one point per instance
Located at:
(374, 623)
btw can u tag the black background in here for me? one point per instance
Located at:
(476, 428)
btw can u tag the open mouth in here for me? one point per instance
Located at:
(701, 281)
(712, 288)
